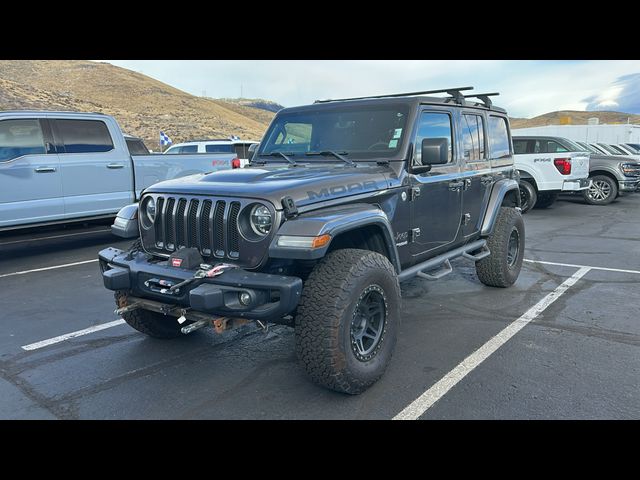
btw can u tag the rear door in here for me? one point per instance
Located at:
(476, 170)
(30, 179)
(97, 177)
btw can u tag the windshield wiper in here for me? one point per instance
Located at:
(281, 154)
(335, 154)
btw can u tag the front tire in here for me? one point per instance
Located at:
(347, 320)
(603, 190)
(528, 196)
(154, 324)
(502, 267)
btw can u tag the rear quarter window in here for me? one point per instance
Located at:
(499, 137)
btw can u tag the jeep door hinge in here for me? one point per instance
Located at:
(414, 233)
(414, 193)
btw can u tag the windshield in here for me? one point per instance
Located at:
(589, 148)
(608, 149)
(574, 146)
(356, 131)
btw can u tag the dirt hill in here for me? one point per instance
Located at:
(143, 106)
(576, 118)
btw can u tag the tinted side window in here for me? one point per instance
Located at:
(20, 137)
(219, 148)
(520, 147)
(189, 149)
(136, 147)
(84, 136)
(473, 137)
(498, 137)
(433, 125)
(554, 147)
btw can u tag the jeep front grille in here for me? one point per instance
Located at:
(211, 226)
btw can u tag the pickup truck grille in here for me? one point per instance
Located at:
(210, 225)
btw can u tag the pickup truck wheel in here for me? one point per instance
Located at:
(545, 200)
(528, 196)
(347, 320)
(154, 324)
(502, 267)
(603, 190)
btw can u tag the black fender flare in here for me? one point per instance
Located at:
(334, 221)
(500, 189)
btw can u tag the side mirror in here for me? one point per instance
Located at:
(435, 151)
(252, 150)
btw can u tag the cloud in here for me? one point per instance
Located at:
(622, 95)
(527, 87)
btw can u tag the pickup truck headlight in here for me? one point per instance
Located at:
(630, 169)
(260, 219)
(148, 213)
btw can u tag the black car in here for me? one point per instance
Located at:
(342, 200)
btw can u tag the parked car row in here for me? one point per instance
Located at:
(550, 166)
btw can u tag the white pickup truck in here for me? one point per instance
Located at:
(58, 167)
(549, 166)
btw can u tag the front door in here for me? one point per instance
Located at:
(436, 195)
(30, 180)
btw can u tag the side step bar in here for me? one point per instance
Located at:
(444, 261)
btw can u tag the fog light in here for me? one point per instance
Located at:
(245, 298)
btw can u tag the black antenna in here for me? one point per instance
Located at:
(484, 97)
(454, 92)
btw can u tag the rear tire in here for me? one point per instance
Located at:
(347, 320)
(502, 267)
(545, 200)
(602, 191)
(528, 196)
(154, 324)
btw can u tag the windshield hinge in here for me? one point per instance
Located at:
(415, 193)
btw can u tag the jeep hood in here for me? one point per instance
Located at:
(306, 184)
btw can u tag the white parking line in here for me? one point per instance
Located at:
(583, 266)
(53, 236)
(67, 336)
(47, 268)
(419, 406)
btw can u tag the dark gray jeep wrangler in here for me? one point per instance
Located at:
(342, 200)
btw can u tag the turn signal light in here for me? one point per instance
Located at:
(321, 241)
(563, 165)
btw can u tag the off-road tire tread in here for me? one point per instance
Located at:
(490, 270)
(327, 292)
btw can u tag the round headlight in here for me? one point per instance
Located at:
(260, 219)
(149, 211)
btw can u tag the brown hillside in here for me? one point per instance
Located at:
(577, 118)
(143, 106)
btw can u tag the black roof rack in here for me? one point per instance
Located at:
(484, 97)
(454, 92)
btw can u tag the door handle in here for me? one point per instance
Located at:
(455, 186)
(115, 165)
(44, 169)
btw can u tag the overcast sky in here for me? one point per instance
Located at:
(527, 88)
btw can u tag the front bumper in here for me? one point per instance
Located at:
(576, 185)
(629, 185)
(272, 296)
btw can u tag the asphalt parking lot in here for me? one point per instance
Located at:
(562, 343)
